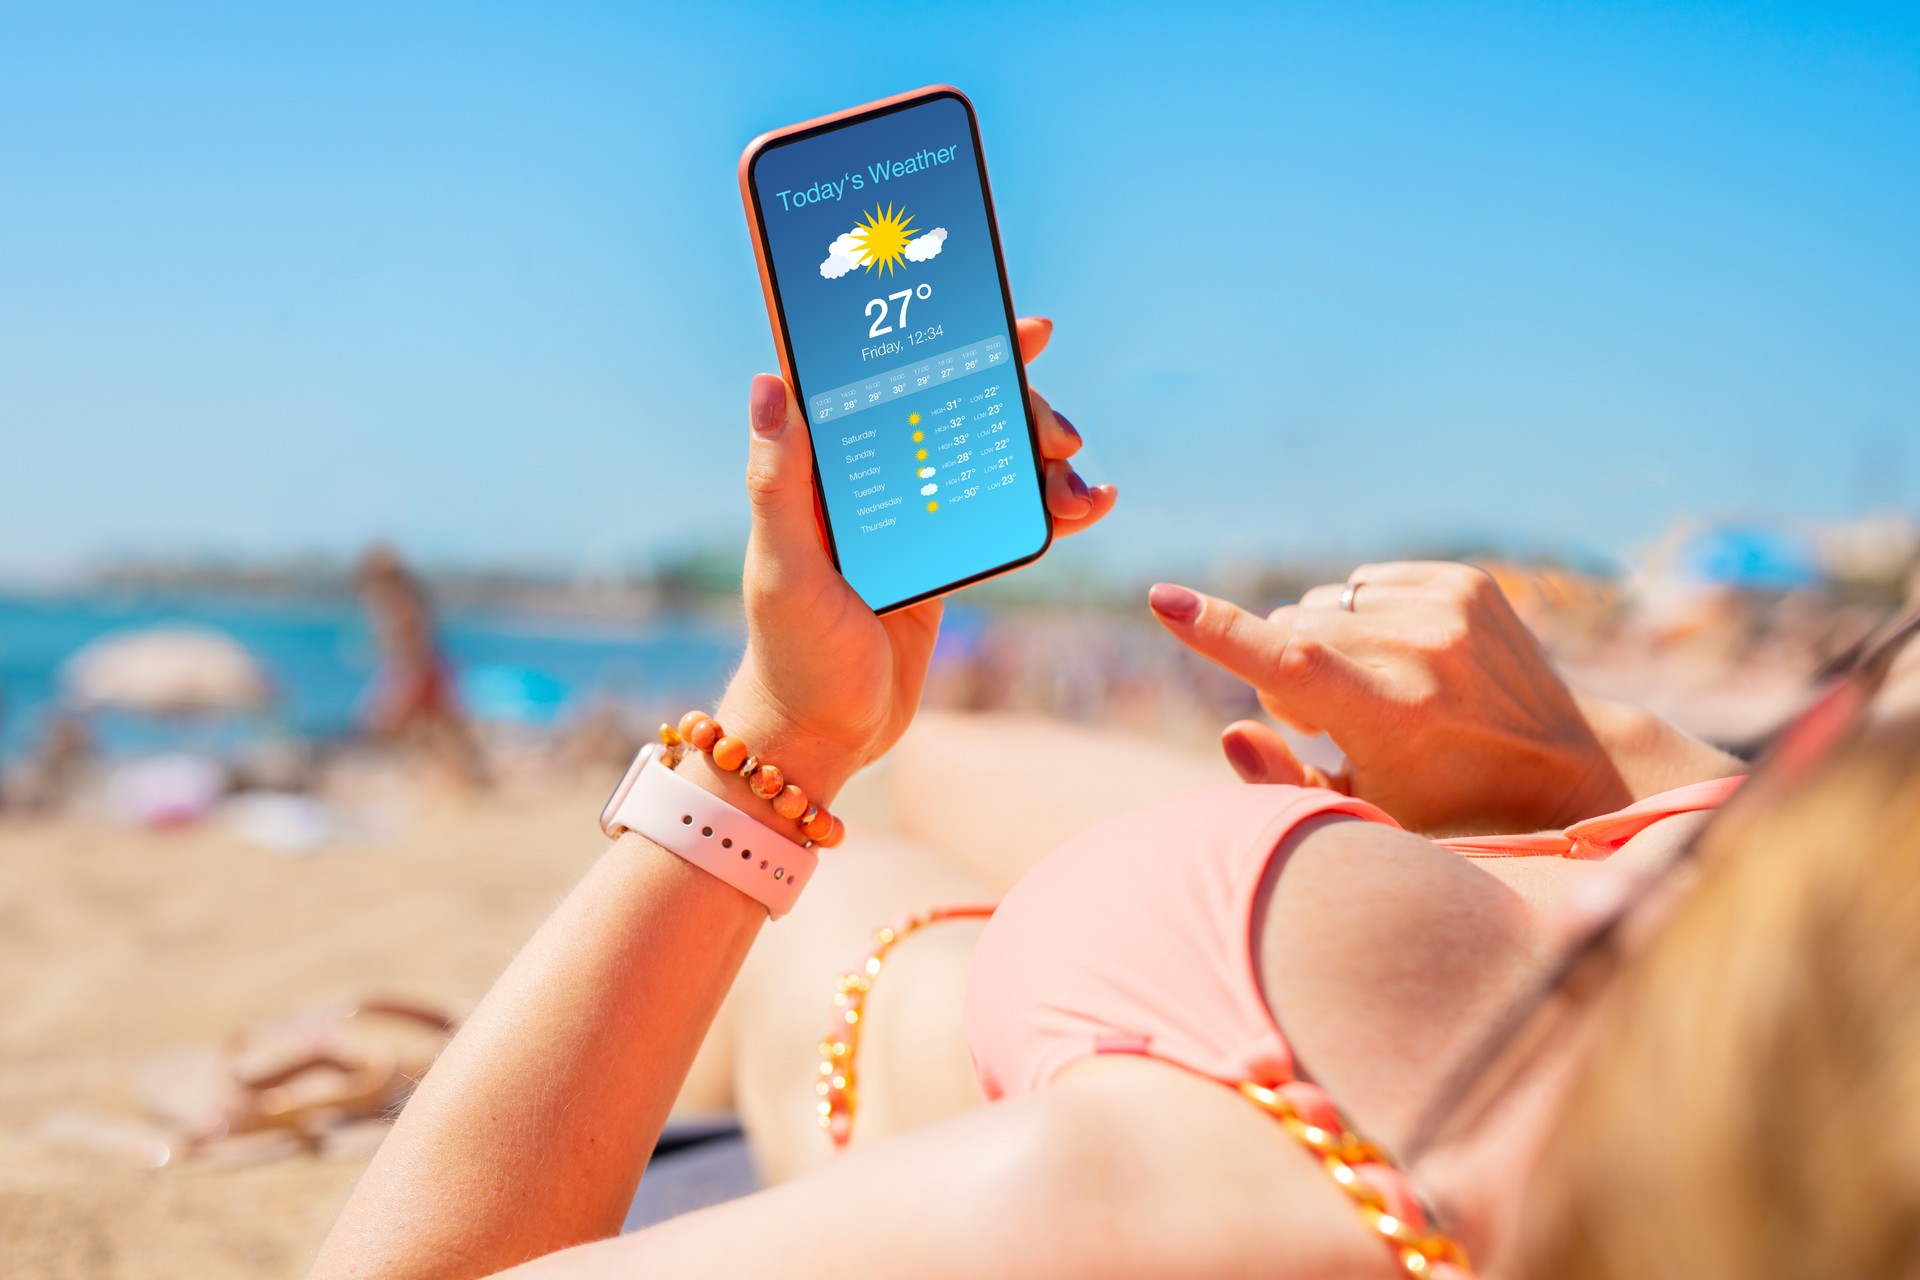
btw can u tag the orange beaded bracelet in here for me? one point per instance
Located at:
(701, 732)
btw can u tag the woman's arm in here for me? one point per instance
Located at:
(530, 1132)
(1650, 754)
(1125, 1169)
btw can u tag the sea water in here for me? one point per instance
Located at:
(320, 656)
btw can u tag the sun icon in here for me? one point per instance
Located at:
(882, 238)
(913, 419)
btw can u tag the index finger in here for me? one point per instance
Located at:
(1289, 660)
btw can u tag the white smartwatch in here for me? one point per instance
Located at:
(699, 826)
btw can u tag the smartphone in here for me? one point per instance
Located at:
(881, 264)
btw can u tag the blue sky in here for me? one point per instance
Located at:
(1329, 279)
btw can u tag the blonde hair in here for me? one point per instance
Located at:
(1753, 1107)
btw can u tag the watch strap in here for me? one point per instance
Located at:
(693, 823)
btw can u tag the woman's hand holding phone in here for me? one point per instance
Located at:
(827, 686)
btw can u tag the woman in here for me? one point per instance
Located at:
(1383, 955)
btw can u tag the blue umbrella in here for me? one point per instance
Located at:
(1750, 558)
(504, 691)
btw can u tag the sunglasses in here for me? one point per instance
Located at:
(1521, 1035)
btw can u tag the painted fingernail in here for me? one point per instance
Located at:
(1245, 760)
(1079, 486)
(1175, 604)
(1066, 426)
(767, 406)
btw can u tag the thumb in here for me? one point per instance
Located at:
(780, 475)
(1259, 754)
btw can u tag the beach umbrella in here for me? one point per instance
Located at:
(1751, 559)
(169, 670)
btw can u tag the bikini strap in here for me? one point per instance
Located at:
(1356, 1167)
(838, 1085)
(1594, 838)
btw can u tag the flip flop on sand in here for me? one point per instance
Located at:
(323, 1081)
(313, 1074)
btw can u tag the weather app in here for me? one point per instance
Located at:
(881, 251)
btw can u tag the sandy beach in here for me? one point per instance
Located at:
(120, 948)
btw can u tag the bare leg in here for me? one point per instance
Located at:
(995, 793)
(977, 800)
(914, 1067)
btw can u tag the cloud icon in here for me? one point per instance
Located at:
(928, 490)
(927, 246)
(925, 473)
(843, 255)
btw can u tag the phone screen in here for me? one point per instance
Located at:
(887, 272)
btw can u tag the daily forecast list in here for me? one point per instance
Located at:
(933, 433)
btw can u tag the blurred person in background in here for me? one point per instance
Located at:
(415, 701)
(49, 778)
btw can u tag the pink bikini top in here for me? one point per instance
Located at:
(1163, 968)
